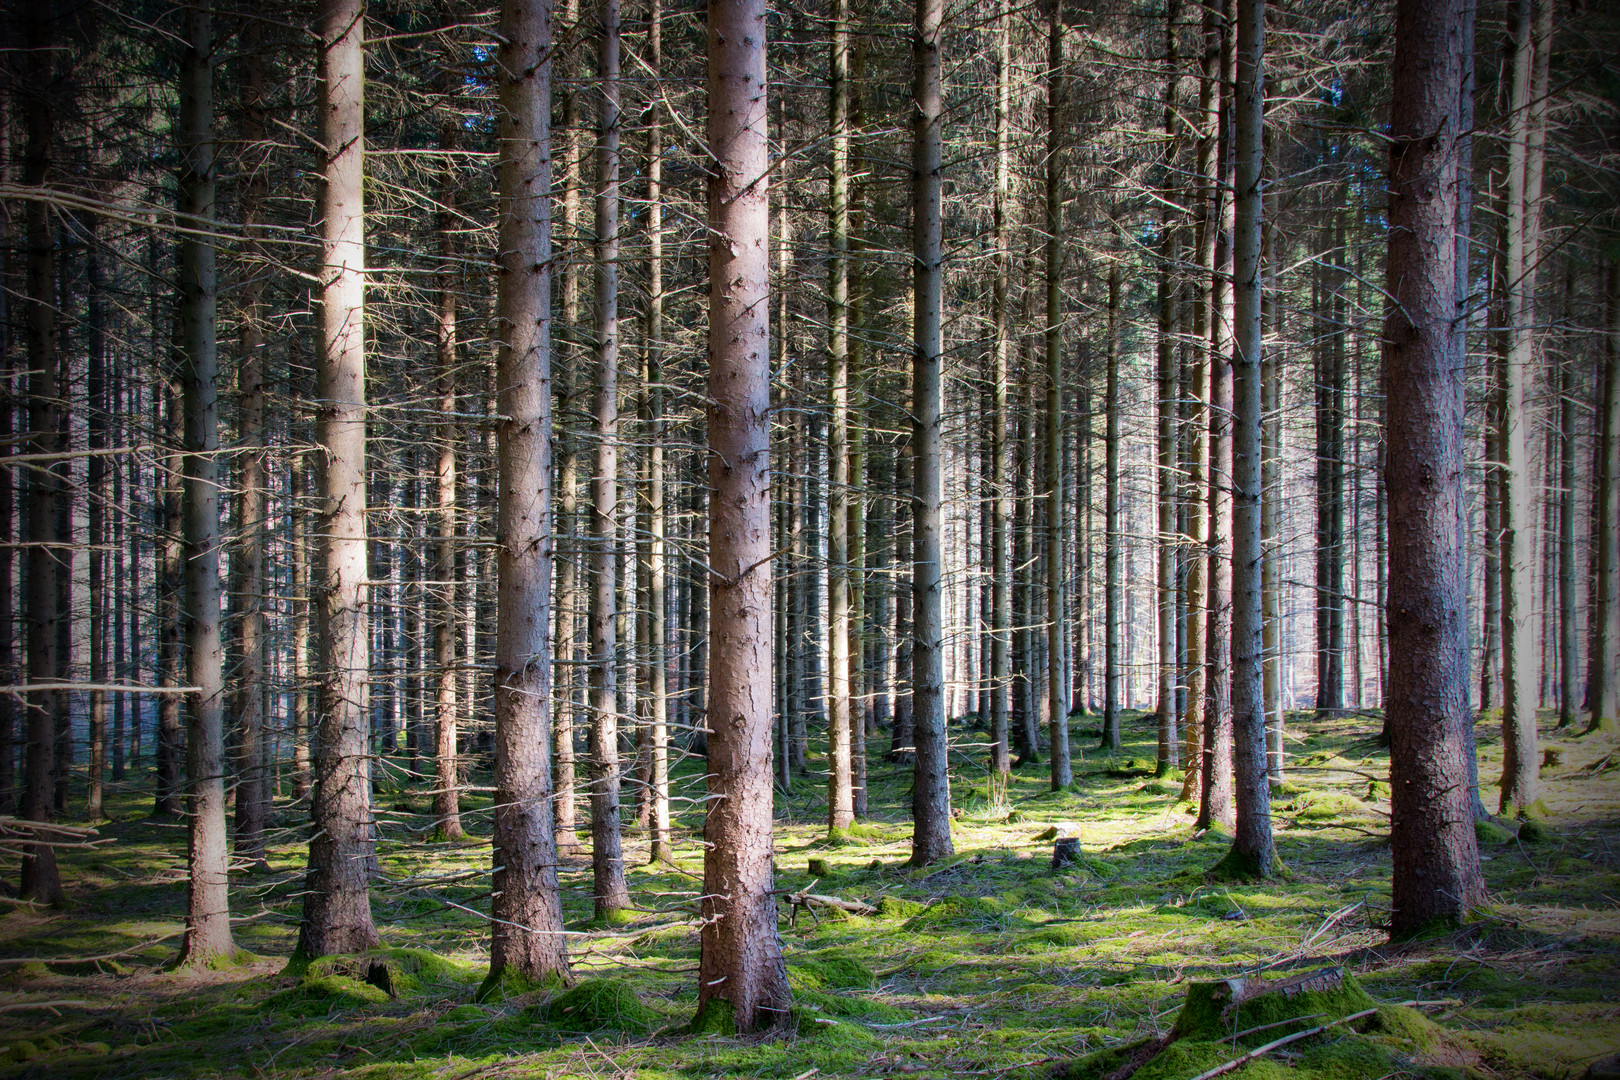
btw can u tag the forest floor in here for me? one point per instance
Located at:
(991, 965)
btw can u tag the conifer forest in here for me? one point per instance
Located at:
(675, 539)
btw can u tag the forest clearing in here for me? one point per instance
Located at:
(990, 964)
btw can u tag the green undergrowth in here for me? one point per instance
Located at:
(989, 963)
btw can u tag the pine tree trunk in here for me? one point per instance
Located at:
(208, 913)
(1253, 851)
(299, 572)
(1001, 620)
(9, 286)
(607, 845)
(96, 532)
(1169, 755)
(931, 791)
(42, 562)
(840, 769)
(527, 942)
(1057, 683)
(1568, 652)
(1432, 829)
(253, 785)
(337, 904)
(741, 969)
(1113, 541)
(1602, 683)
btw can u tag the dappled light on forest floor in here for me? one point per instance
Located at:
(989, 964)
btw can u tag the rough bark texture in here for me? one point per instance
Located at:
(1169, 755)
(1000, 452)
(931, 790)
(446, 794)
(1602, 685)
(526, 934)
(1253, 851)
(607, 843)
(1436, 874)
(208, 916)
(41, 563)
(337, 904)
(741, 968)
(1113, 543)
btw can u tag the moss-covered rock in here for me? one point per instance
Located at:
(507, 985)
(598, 1005)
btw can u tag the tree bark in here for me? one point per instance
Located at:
(337, 904)
(1253, 850)
(1436, 860)
(931, 791)
(42, 559)
(1113, 542)
(1057, 683)
(526, 933)
(208, 913)
(607, 844)
(1169, 246)
(1602, 684)
(741, 968)
(1001, 621)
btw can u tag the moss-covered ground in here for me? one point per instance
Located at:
(989, 965)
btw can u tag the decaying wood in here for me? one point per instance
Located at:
(809, 901)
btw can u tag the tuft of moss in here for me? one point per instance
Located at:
(1238, 866)
(831, 968)
(960, 911)
(599, 1005)
(1532, 830)
(507, 984)
(716, 1017)
(1328, 806)
(463, 1014)
(895, 908)
(1489, 832)
(1208, 1013)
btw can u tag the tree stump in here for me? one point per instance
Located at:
(1065, 851)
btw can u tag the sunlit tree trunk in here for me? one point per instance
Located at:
(526, 931)
(1001, 621)
(337, 904)
(741, 971)
(1169, 755)
(1057, 683)
(1436, 875)
(208, 913)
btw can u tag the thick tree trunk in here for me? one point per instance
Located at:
(1253, 851)
(931, 790)
(42, 560)
(526, 933)
(607, 844)
(337, 904)
(208, 913)
(741, 969)
(1432, 829)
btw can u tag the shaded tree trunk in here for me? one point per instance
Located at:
(1057, 683)
(1602, 685)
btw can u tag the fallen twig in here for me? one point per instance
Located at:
(1262, 1051)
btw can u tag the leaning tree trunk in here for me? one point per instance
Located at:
(526, 931)
(1253, 851)
(42, 559)
(337, 903)
(931, 788)
(1431, 828)
(741, 969)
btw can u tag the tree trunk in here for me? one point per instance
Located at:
(337, 905)
(8, 395)
(1568, 651)
(1113, 541)
(931, 790)
(253, 785)
(741, 969)
(1521, 763)
(42, 560)
(298, 543)
(1001, 621)
(526, 933)
(607, 846)
(840, 769)
(1165, 549)
(1436, 874)
(1057, 683)
(1602, 685)
(96, 532)
(1253, 851)
(208, 913)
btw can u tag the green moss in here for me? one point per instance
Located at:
(318, 993)
(1377, 790)
(830, 1034)
(599, 1005)
(1532, 830)
(895, 908)
(462, 1014)
(1161, 787)
(508, 984)
(716, 1017)
(1328, 806)
(830, 969)
(961, 911)
(1209, 1014)
(1489, 832)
